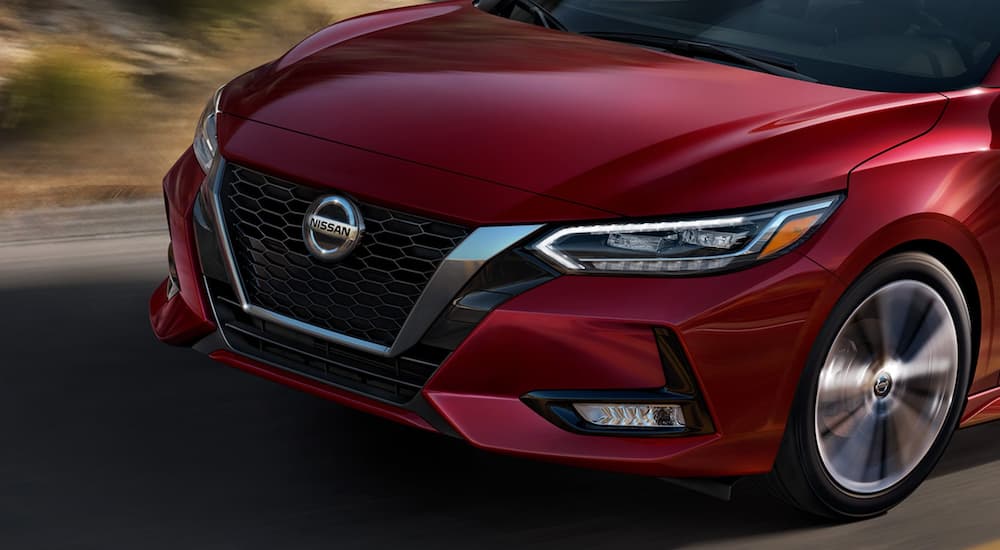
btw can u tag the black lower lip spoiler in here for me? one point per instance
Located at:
(720, 488)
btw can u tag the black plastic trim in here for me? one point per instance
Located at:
(681, 389)
(508, 275)
(557, 407)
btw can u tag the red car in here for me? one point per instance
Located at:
(691, 239)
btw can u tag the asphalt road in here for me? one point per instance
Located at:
(111, 440)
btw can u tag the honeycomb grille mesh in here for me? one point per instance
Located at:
(368, 295)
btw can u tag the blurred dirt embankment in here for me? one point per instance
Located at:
(99, 97)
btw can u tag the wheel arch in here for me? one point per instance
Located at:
(852, 248)
(799, 473)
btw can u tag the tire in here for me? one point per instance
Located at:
(882, 392)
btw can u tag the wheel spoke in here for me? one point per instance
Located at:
(870, 336)
(851, 456)
(909, 423)
(838, 425)
(878, 453)
(894, 311)
(929, 332)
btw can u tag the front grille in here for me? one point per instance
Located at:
(397, 380)
(368, 295)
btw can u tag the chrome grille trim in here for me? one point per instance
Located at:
(452, 275)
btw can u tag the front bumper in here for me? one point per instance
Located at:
(746, 336)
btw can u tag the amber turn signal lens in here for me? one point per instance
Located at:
(789, 233)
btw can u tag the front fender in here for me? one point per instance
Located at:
(938, 192)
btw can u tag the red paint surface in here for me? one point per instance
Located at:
(443, 111)
(186, 318)
(612, 126)
(747, 335)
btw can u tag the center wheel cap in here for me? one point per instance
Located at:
(883, 384)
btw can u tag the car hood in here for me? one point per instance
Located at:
(615, 127)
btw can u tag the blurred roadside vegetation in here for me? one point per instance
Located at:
(63, 88)
(99, 97)
(190, 10)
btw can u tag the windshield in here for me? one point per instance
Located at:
(887, 45)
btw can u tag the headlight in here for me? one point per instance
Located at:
(685, 247)
(206, 143)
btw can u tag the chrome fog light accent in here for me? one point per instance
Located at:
(625, 415)
(173, 284)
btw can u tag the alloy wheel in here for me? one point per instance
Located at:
(886, 387)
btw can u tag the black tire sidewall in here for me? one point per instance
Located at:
(907, 266)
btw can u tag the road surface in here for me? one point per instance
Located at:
(111, 440)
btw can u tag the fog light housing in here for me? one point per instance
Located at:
(675, 410)
(636, 415)
(173, 284)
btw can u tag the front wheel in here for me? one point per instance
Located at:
(882, 394)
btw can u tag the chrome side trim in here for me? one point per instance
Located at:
(316, 332)
(452, 275)
(173, 289)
